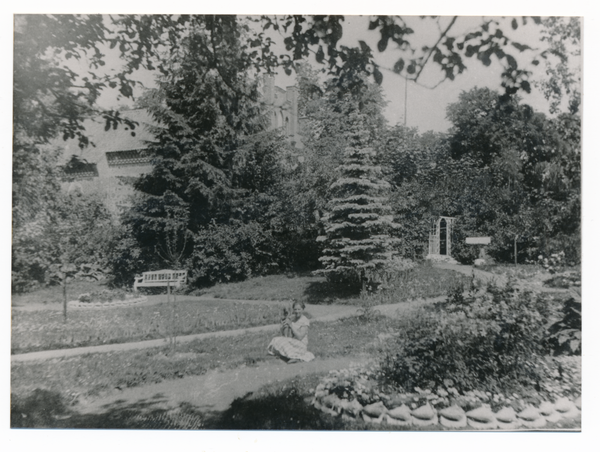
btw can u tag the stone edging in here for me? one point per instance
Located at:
(108, 304)
(482, 418)
(395, 410)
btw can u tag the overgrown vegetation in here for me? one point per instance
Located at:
(495, 342)
(565, 334)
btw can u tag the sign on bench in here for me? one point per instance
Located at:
(160, 278)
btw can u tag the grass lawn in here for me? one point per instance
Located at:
(45, 329)
(424, 281)
(53, 295)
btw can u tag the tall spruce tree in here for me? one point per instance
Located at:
(214, 160)
(359, 221)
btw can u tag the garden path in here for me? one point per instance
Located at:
(318, 313)
(214, 391)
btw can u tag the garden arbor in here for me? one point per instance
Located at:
(440, 238)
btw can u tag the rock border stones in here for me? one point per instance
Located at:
(393, 410)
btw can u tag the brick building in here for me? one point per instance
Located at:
(117, 158)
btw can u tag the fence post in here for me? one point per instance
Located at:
(172, 326)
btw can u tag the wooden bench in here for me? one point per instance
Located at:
(482, 242)
(160, 278)
(478, 240)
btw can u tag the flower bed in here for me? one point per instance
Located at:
(565, 280)
(77, 304)
(355, 393)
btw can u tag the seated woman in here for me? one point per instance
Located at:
(293, 349)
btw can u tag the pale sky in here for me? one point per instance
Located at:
(426, 106)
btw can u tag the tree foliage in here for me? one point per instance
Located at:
(52, 91)
(562, 62)
(507, 168)
(358, 221)
(504, 171)
(319, 37)
(214, 162)
(76, 231)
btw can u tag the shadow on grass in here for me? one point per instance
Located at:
(279, 410)
(274, 412)
(325, 292)
(45, 409)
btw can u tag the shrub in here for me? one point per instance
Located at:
(232, 252)
(565, 334)
(493, 340)
(38, 410)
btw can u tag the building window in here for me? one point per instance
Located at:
(79, 169)
(127, 158)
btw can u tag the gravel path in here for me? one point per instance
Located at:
(213, 391)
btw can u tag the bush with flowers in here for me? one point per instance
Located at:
(554, 262)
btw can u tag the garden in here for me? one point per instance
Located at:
(501, 358)
(482, 351)
(334, 209)
(110, 321)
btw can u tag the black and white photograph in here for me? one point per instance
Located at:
(279, 222)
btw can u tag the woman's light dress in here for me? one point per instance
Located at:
(292, 348)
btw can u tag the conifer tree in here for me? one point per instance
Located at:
(359, 220)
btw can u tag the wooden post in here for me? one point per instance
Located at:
(516, 237)
(174, 320)
(171, 320)
(65, 299)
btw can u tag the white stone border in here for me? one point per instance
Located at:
(482, 418)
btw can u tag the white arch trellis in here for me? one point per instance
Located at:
(440, 236)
